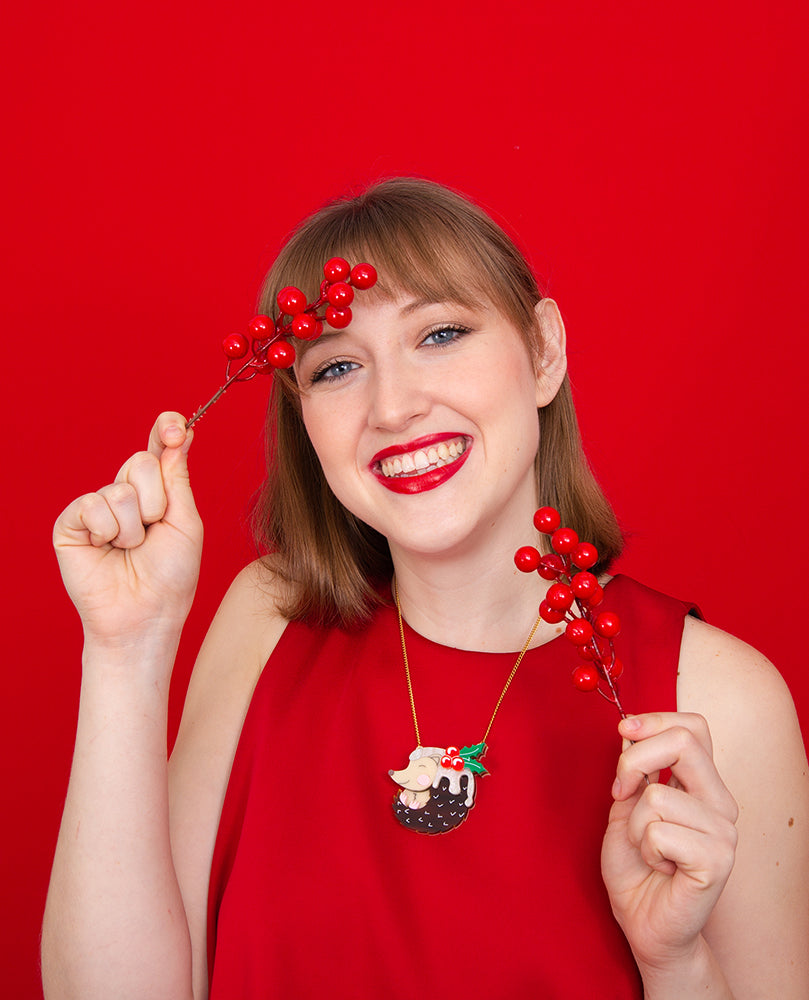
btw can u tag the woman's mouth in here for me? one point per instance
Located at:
(422, 464)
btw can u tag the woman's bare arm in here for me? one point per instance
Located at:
(760, 927)
(242, 636)
(115, 924)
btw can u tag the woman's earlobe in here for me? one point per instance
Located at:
(551, 363)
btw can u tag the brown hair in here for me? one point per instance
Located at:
(429, 242)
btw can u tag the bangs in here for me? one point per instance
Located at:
(424, 241)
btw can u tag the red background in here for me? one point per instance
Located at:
(652, 159)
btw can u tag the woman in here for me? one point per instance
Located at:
(412, 447)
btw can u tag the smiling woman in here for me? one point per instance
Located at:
(449, 279)
(276, 855)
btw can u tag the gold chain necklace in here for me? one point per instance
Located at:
(437, 788)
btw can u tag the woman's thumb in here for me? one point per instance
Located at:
(176, 480)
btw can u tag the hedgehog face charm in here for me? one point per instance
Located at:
(437, 787)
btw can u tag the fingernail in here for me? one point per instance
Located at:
(173, 430)
(631, 724)
(616, 788)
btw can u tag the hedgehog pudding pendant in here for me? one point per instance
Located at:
(437, 788)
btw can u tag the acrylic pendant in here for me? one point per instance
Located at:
(437, 788)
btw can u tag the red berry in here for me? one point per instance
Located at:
(596, 597)
(564, 540)
(580, 632)
(547, 520)
(615, 669)
(550, 567)
(607, 624)
(338, 318)
(363, 276)
(261, 327)
(291, 300)
(458, 764)
(584, 555)
(550, 615)
(336, 269)
(585, 678)
(340, 295)
(446, 761)
(586, 652)
(236, 345)
(583, 585)
(304, 325)
(559, 596)
(453, 751)
(281, 354)
(526, 559)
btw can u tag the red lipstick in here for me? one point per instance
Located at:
(418, 482)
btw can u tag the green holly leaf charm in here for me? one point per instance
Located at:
(470, 757)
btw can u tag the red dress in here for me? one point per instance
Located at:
(317, 890)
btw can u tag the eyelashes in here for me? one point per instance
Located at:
(338, 369)
(440, 336)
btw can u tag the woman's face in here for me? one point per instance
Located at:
(424, 418)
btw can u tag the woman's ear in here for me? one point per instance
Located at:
(551, 363)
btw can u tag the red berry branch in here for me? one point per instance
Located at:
(266, 338)
(591, 631)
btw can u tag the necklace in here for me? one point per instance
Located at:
(437, 788)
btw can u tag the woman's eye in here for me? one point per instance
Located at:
(332, 371)
(444, 335)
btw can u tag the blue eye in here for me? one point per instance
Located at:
(444, 335)
(332, 371)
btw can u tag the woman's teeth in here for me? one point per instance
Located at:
(424, 460)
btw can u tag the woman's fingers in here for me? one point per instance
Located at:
(168, 431)
(169, 442)
(143, 474)
(122, 500)
(88, 520)
(678, 741)
(669, 825)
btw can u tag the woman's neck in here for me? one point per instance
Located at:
(476, 603)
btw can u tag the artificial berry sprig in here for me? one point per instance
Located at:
(267, 338)
(591, 631)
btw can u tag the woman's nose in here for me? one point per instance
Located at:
(399, 396)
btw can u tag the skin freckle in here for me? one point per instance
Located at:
(791, 821)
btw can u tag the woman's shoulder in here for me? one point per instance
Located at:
(724, 675)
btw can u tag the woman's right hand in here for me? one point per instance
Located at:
(129, 553)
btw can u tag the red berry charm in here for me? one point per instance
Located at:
(586, 678)
(559, 596)
(363, 276)
(607, 624)
(338, 319)
(547, 520)
(564, 540)
(340, 295)
(584, 555)
(337, 269)
(236, 345)
(526, 559)
(573, 597)
(268, 339)
(551, 566)
(291, 300)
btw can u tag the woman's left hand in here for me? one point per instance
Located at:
(668, 849)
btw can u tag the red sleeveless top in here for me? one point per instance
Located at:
(317, 890)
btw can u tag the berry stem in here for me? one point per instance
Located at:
(219, 392)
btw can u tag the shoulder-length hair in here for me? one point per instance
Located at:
(429, 242)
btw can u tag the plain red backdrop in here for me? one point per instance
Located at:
(651, 159)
